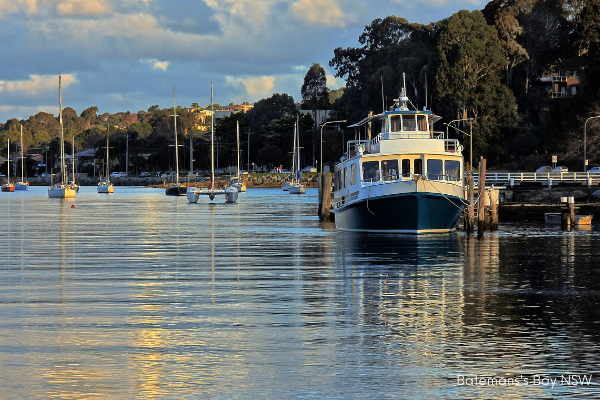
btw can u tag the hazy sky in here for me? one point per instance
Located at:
(127, 55)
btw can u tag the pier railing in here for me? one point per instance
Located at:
(546, 178)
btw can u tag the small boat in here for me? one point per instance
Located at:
(286, 186)
(407, 179)
(230, 192)
(105, 185)
(22, 184)
(61, 189)
(177, 189)
(8, 187)
(296, 186)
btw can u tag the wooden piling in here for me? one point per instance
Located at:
(493, 210)
(482, 196)
(470, 214)
(325, 197)
(564, 220)
(571, 203)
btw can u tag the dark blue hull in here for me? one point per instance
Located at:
(176, 191)
(402, 213)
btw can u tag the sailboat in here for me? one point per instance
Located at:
(177, 189)
(239, 184)
(297, 187)
(22, 184)
(62, 189)
(8, 187)
(105, 185)
(230, 192)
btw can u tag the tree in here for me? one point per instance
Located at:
(314, 90)
(468, 79)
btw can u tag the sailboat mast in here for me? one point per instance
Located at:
(238, 149)
(107, 165)
(212, 139)
(294, 157)
(297, 127)
(62, 135)
(22, 158)
(175, 128)
(8, 161)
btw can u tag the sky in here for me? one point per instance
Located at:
(128, 55)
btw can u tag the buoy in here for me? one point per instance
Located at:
(73, 206)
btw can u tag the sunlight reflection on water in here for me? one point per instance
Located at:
(137, 294)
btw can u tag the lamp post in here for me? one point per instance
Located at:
(470, 120)
(585, 142)
(322, 126)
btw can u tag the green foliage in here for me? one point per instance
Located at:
(315, 95)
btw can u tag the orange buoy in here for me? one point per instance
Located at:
(73, 206)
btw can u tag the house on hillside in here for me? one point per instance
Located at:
(569, 78)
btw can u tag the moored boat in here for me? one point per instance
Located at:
(61, 189)
(407, 179)
(8, 186)
(23, 184)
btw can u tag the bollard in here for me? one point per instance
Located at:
(571, 203)
(325, 200)
(481, 209)
(564, 220)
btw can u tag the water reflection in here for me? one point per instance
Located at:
(139, 295)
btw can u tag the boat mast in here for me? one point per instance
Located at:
(22, 158)
(212, 139)
(294, 158)
(63, 171)
(238, 150)
(8, 161)
(297, 127)
(107, 166)
(175, 127)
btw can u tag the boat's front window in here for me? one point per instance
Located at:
(418, 167)
(406, 167)
(389, 170)
(395, 125)
(434, 169)
(353, 174)
(452, 170)
(370, 170)
(422, 123)
(409, 123)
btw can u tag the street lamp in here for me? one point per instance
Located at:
(325, 123)
(585, 142)
(470, 120)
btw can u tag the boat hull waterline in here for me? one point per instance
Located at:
(414, 213)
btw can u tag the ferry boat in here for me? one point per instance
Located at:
(407, 179)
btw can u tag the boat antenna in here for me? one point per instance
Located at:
(403, 98)
(426, 90)
(382, 94)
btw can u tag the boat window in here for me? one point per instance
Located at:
(422, 122)
(452, 168)
(370, 170)
(353, 174)
(418, 167)
(409, 123)
(434, 169)
(405, 167)
(395, 123)
(336, 180)
(389, 170)
(344, 177)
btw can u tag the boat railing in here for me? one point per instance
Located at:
(547, 178)
(451, 146)
(354, 146)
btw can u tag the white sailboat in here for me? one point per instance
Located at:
(296, 186)
(177, 189)
(22, 184)
(230, 192)
(239, 184)
(105, 185)
(62, 189)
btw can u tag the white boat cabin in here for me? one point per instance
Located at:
(406, 149)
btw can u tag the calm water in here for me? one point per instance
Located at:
(139, 295)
